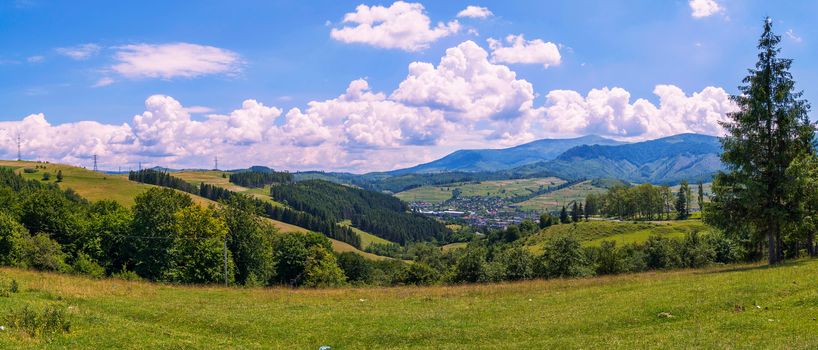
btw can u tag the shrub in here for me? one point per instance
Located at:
(696, 252)
(46, 176)
(563, 257)
(607, 259)
(726, 250)
(322, 269)
(51, 320)
(518, 263)
(30, 170)
(127, 275)
(470, 265)
(662, 253)
(493, 272)
(85, 265)
(11, 235)
(355, 267)
(421, 274)
(42, 253)
(7, 288)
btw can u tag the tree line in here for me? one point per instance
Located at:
(264, 208)
(644, 202)
(377, 213)
(254, 179)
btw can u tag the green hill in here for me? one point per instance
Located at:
(724, 307)
(96, 186)
(592, 233)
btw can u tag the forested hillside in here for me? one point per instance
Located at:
(380, 214)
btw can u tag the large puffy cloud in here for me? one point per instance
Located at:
(525, 51)
(704, 8)
(174, 60)
(402, 26)
(609, 112)
(466, 86)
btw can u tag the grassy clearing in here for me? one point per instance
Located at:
(555, 200)
(452, 246)
(220, 178)
(713, 308)
(592, 233)
(500, 188)
(366, 237)
(91, 185)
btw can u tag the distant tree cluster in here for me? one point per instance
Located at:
(642, 202)
(377, 213)
(254, 179)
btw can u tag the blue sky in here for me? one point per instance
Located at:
(71, 63)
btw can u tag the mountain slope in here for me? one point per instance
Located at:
(690, 157)
(507, 158)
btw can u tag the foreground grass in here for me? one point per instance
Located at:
(713, 308)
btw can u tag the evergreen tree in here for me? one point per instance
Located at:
(681, 201)
(770, 130)
(564, 216)
(701, 196)
(59, 175)
(575, 212)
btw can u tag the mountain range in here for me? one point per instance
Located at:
(476, 160)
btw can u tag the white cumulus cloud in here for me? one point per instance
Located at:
(704, 8)
(609, 112)
(168, 61)
(472, 11)
(525, 51)
(466, 86)
(402, 26)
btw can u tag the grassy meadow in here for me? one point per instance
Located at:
(592, 233)
(499, 188)
(745, 306)
(555, 200)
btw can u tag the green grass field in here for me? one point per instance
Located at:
(366, 237)
(500, 188)
(592, 233)
(91, 185)
(711, 308)
(555, 200)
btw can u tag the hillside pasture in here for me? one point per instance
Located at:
(555, 200)
(499, 188)
(592, 233)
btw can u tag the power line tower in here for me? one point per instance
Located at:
(140, 166)
(95, 162)
(216, 163)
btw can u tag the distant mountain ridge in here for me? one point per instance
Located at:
(481, 160)
(690, 157)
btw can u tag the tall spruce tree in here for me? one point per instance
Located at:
(701, 196)
(682, 208)
(770, 129)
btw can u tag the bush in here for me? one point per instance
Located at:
(51, 320)
(493, 272)
(421, 274)
(322, 269)
(607, 259)
(662, 253)
(30, 170)
(85, 265)
(11, 235)
(42, 253)
(518, 263)
(126, 275)
(470, 265)
(726, 250)
(563, 257)
(355, 267)
(46, 176)
(7, 288)
(696, 252)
